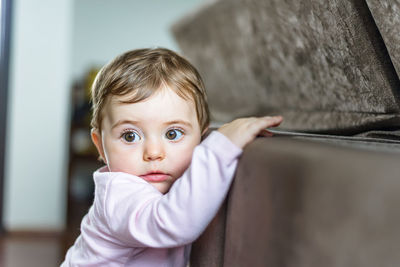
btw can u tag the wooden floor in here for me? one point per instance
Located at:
(30, 250)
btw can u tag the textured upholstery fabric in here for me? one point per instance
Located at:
(323, 65)
(386, 14)
(328, 67)
(309, 203)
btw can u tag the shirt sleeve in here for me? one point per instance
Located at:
(143, 217)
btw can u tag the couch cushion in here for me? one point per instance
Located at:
(307, 203)
(323, 65)
(386, 14)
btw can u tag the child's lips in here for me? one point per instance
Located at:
(155, 177)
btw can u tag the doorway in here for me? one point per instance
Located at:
(5, 25)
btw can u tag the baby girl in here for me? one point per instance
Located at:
(162, 182)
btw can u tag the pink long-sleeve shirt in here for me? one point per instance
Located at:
(132, 224)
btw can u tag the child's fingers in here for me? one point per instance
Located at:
(243, 131)
(265, 133)
(275, 119)
(261, 124)
(266, 122)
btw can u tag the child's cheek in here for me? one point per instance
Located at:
(122, 160)
(183, 161)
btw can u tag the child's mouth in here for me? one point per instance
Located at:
(155, 177)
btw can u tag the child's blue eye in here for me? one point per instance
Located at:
(130, 137)
(174, 134)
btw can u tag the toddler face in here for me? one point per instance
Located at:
(153, 139)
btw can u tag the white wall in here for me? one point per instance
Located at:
(103, 28)
(35, 178)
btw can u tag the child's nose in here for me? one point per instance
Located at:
(153, 150)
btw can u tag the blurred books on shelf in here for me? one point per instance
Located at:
(83, 157)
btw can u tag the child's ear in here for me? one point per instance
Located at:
(97, 141)
(204, 131)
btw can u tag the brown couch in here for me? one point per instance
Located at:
(308, 202)
(331, 68)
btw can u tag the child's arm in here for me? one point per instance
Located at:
(180, 216)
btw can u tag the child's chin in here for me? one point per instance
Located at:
(163, 188)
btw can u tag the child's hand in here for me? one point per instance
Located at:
(243, 131)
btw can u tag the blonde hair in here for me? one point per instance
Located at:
(140, 73)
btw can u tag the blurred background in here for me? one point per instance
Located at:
(51, 51)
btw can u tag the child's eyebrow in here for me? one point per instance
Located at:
(186, 123)
(121, 122)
